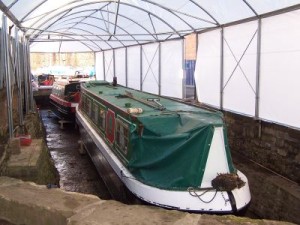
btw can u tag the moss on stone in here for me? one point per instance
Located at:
(47, 173)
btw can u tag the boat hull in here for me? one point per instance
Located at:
(208, 200)
(62, 109)
(115, 186)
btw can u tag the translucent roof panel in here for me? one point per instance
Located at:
(267, 6)
(227, 11)
(98, 25)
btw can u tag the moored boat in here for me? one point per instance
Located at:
(165, 152)
(64, 99)
(45, 81)
(42, 87)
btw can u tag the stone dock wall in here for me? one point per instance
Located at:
(273, 146)
(269, 155)
(28, 203)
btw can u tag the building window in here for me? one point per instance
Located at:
(122, 135)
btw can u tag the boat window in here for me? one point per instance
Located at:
(60, 91)
(72, 88)
(81, 102)
(56, 90)
(84, 106)
(87, 105)
(95, 112)
(101, 118)
(122, 135)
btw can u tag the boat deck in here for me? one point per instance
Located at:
(125, 98)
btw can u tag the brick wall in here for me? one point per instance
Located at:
(190, 47)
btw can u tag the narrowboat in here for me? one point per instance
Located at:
(45, 80)
(165, 152)
(42, 87)
(64, 99)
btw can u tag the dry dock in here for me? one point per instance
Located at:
(28, 203)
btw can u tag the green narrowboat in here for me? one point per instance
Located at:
(165, 152)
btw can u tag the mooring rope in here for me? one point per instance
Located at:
(193, 193)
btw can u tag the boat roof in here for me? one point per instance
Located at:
(125, 98)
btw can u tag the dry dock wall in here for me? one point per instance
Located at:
(269, 155)
(273, 146)
(28, 203)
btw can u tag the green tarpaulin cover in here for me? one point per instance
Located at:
(173, 149)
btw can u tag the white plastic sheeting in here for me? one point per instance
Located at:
(240, 51)
(120, 66)
(109, 65)
(278, 89)
(171, 69)
(134, 67)
(280, 69)
(99, 67)
(163, 73)
(207, 71)
(150, 68)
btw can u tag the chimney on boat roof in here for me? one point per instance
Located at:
(115, 81)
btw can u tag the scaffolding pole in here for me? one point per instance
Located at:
(18, 76)
(7, 72)
(2, 66)
(25, 74)
(31, 101)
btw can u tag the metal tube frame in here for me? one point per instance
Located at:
(159, 68)
(104, 71)
(114, 63)
(95, 63)
(18, 76)
(25, 74)
(2, 66)
(222, 70)
(126, 67)
(183, 69)
(258, 61)
(195, 88)
(141, 68)
(7, 71)
(31, 101)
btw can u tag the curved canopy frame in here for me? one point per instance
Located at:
(120, 23)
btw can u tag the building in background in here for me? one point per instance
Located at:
(62, 63)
